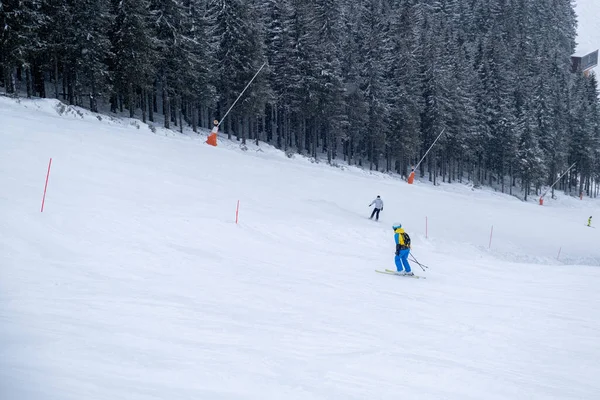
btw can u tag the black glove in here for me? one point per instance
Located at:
(397, 253)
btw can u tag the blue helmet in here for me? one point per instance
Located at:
(397, 225)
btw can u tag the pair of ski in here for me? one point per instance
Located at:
(391, 272)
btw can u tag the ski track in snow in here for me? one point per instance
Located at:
(135, 282)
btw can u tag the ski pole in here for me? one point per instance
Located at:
(423, 265)
(415, 260)
(418, 263)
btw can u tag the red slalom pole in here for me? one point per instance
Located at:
(237, 212)
(46, 185)
(491, 233)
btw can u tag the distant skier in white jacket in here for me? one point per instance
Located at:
(378, 207)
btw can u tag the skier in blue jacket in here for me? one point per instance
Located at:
(402, 250)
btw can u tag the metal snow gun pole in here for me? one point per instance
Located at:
(212, 138)
(555, 182)
(411, 177)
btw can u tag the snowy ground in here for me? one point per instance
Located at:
(136, 283)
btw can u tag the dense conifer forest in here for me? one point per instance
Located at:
(370, 82)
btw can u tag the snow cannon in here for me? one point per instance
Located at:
(212, 138)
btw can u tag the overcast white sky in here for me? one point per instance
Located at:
(588, 16)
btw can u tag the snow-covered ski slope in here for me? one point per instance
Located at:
(588, 26)
(135, 283)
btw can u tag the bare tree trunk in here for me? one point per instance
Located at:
(285, 129)
(179, 114)
(55, 74)
(154, 98)
(257, 132)
(9, 80)
(186, 112)
(166, 104)
(195, 114)
(65, 78)
(131, 100)
(434, 168)
(71, 86)
(228, 124)
(93, 104)
(114, 101)
(144, 104)
(151, 95)
(315, 139)
(39, 81)
(510, 176)
(302, 138)
(275, 126)
(174, 112)
(28, 82)
(370, 153)
(349, 153)
(329, 144)
(244, 124)
(5, 78)
(199, 114)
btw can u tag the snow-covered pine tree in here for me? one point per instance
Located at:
(463, 122)
(168, 22)
(558, 44)
(436, 66)
(362, 78)
(285, 76)
(405, 99)
(237, 41)
(191, 70)
(87, 48)
(583, 132)
(496, 99)
(354, 137)
(303, 94)
(375, 90)
(326, 20)
(19, 40)
(133, 55)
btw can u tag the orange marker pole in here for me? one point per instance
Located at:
(46, 185)
(237, 212)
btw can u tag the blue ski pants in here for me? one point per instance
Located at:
(402, 260)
